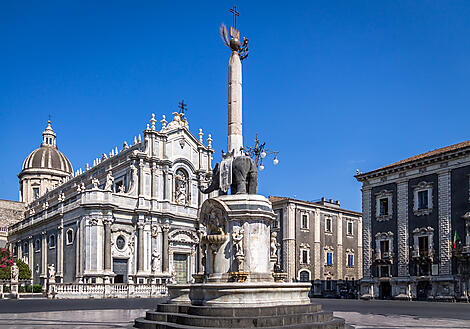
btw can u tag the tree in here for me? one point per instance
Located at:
(24, 271)
(6, 261)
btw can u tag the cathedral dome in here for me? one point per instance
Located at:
(43, 169)
(48, 156)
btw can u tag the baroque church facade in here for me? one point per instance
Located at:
(130, 217)
(416, 230)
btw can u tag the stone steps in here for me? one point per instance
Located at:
(173, 316)
(242, 322)
(335, 323)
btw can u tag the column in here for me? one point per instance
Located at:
(165, 251)
(140, 253)
(366, 232)
(78, 254)
(141, 177)
(60, 252)
(444, 200)
(154, 181)
(31, 253)
(20, 250)
(359, 249)
(107, 244)
(44, 255)
(402, 218)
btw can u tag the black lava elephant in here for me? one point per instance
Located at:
(244, 177)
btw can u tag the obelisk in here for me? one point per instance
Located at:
(235, 130)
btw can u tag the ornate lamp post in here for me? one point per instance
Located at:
(259, 152)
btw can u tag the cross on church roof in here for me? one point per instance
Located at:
(182, 106)
(235, 13)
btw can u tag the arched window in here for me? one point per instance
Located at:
(52, 241)
(69, 236)
(37, 245)
(304, 276)
(181, 187)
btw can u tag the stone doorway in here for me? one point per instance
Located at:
(120, 270)
(180, 263)
(385, 290)
(422, 290)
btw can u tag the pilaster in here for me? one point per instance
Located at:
(60, 252)
(402, 219)
(44, 255)
(359, 266)
(444, 199)
(107, 243)
(339, 247)
(316, 246)
(366, 232)
(165, 253)
(140, 245)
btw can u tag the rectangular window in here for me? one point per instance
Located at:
(35, 192)
(304, 256)
(328, 224)
(383, 211)
(329, 258)
(350, 228)
(423, 242)
(304, 221)
(350, 260)
(384, 246)
(423, 199)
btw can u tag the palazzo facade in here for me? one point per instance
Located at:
(320, 243)
(416, 230)
(129, 217)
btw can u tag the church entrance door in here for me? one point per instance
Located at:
(120, 270)
(180, 262)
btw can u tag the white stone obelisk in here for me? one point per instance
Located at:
(235, 133)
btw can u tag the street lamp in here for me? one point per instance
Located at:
(259, 152)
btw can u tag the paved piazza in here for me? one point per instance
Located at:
(120, 313)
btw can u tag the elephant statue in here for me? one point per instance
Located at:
(244, 177)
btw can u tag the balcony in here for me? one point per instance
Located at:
(422, 255)
(462, 252)
(385, 257)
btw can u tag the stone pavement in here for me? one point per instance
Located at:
(97, 319)
(113, 313)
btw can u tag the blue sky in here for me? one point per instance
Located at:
(332, 85)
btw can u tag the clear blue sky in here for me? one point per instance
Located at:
(332, 85)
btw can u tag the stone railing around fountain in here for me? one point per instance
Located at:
(105, 290)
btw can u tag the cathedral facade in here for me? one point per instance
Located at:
(130, 217)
